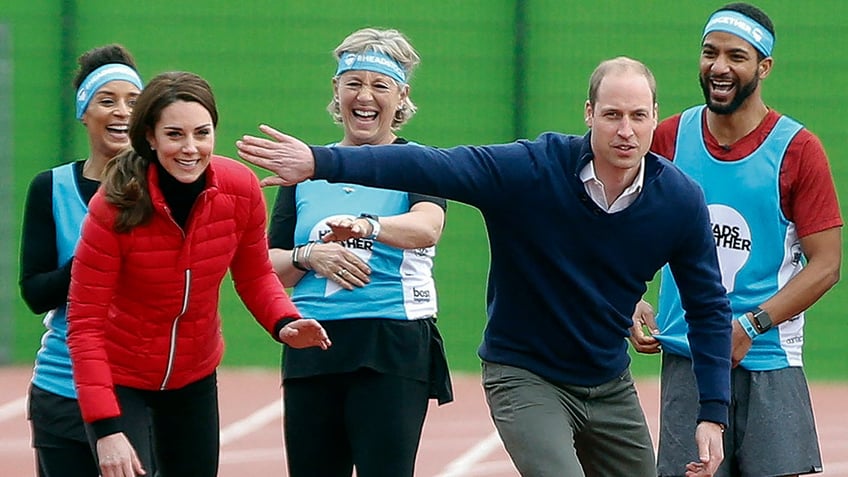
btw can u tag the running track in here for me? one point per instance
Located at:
(458, 441)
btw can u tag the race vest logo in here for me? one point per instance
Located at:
(733, 242)
(420, 295)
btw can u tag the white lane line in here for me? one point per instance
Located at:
(252, 423)
(463, 464)
(13, 409)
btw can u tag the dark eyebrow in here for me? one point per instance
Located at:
(708, 46)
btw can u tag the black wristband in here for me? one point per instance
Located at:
(280, 325)
(106, 427)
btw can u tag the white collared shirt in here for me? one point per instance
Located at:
(595, 188)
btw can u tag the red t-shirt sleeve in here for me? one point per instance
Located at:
(807, 194)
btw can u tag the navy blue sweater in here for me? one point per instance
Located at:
(565, 276)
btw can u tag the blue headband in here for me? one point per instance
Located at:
(372, 61)
(742, 26)
(97, 78)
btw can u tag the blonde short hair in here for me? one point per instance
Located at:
(389, 42)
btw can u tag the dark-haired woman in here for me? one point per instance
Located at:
(107, 85)
(169, 222)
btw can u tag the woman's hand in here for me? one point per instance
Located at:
(344, 229)
(304, 333)
(339, 264)
(117, 458)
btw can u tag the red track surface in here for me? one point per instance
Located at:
(458, 441)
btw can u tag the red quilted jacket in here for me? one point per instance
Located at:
(143, 306)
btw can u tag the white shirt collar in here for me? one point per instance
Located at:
(595, 188)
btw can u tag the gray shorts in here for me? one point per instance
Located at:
(771, 433)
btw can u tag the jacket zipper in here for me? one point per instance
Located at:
(172, 350)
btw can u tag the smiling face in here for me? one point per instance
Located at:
(107, 118)
(623, 120)
(730, 71)
(183, 139)
(368, 102)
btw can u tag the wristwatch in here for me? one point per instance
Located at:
(761, 320)
(375, 225)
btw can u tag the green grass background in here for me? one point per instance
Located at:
(270, 61)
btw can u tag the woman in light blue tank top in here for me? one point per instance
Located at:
(360, 261)
(106, 86)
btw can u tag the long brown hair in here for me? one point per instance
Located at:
(125, 178)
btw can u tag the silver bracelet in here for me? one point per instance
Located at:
(307, 253)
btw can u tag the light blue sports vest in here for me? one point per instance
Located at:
(758, 248)
(53, 362)
(401, 286)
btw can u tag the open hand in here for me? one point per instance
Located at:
(286, 156)
(346, 228)
(340, 265)
(305, 333)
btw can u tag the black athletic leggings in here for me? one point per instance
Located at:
(180, 424)
(364, 419)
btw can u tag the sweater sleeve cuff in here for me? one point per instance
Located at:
(106, 427)
(323, 158)
(713, 411)
(280, 325)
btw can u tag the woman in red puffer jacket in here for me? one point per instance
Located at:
(144, 331)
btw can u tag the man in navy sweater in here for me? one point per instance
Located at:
(577, 225)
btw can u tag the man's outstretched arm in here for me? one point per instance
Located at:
(289, 158)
